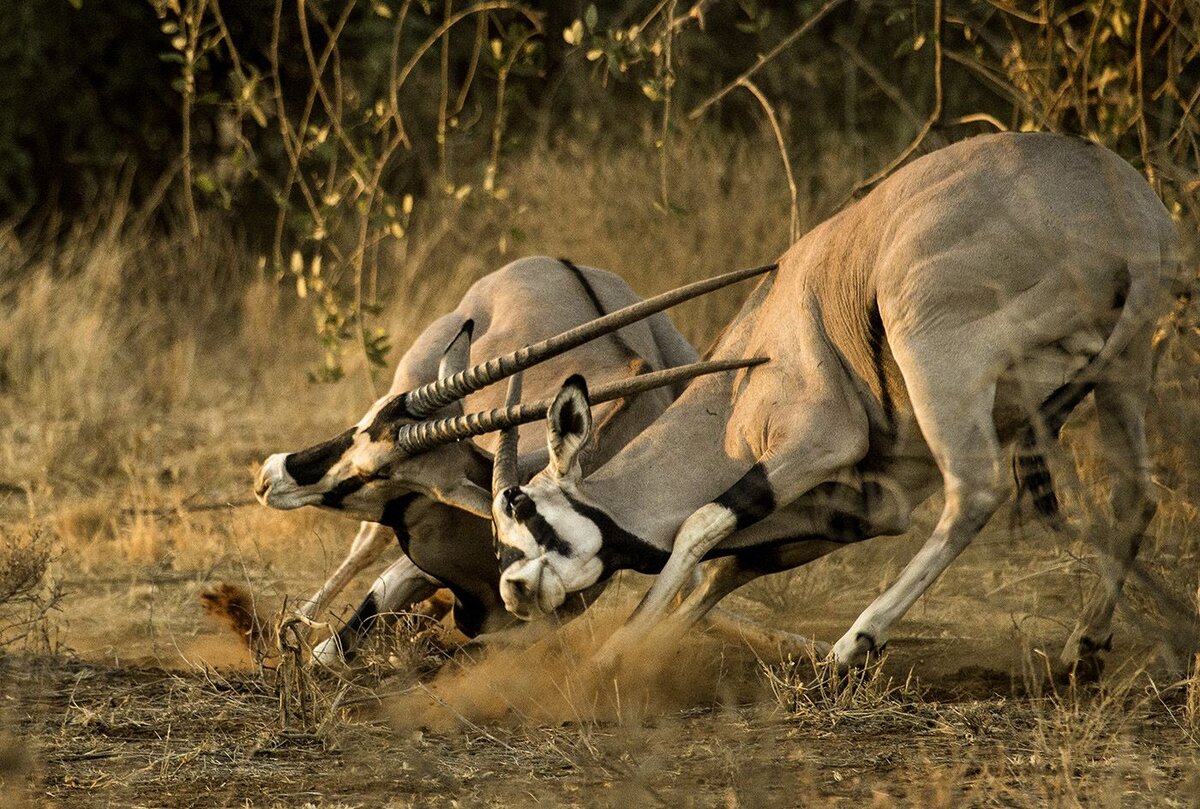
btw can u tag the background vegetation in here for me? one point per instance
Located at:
(207, 208)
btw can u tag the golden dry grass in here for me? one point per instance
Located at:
(142, 378)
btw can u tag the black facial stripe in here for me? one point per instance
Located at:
(334, 497)
(385, 421)
(619, 549)
(751, 498)
(310, 465)
(545, 535)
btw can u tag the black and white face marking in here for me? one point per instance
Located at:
(351, 473)
(547, 548)
(343, 473)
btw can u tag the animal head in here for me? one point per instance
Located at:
(548, 547)
(398, 447)
(364, 468)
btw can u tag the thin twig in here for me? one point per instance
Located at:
(783, 153)
(664, 139)
(934, 115)
(171, 511)
(787, 42)
(890, 90)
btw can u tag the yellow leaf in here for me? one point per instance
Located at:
(573, 34)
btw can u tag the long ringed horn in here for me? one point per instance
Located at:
(504, 462)
(425, 435)
(428, 399)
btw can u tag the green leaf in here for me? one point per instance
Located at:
(205, 182)
(590, 17)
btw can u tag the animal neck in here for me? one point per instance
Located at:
(680, 462)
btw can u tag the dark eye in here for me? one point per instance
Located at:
(517, 504)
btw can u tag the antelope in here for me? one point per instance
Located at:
(969, 301)
(436, 501)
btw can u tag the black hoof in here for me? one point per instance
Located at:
(1088, 667)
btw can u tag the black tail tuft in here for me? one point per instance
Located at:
(1032, 475)
(1030, 470)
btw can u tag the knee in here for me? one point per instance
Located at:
(974, 504)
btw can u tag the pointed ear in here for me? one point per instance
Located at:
(568, 426)
(457, 355)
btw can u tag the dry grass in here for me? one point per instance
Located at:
(142, 378)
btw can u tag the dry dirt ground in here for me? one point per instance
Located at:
(959, 714)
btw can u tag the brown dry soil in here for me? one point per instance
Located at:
(702, 729)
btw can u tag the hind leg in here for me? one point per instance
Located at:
(953, 406)
(1121, 408)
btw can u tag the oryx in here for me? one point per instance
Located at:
(971, 300)
(436, 500)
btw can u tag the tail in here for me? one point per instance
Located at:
(1030, 470)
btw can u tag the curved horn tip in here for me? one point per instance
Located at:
(577, 381)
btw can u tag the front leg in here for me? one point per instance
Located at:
(771, 484)
(397, 588)
(699, 534)
(369, 544)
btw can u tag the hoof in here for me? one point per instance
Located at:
(855, 651)
(328, 655)
(1083, 659)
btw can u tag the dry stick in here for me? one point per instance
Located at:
(444, 101)
(1139, 74)
(981, 117)
(191, 18)
(479, 8)
(668, 81)
(787, 163)
(493, 167)
(787, 42)
(338, 93)
(480, 35)
(172, 511)
(998, 83)
(393, 68)
(934, 114)
(291, 142)
(332, 107)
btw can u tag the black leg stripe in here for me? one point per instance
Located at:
(355, 629)
(751, 498)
